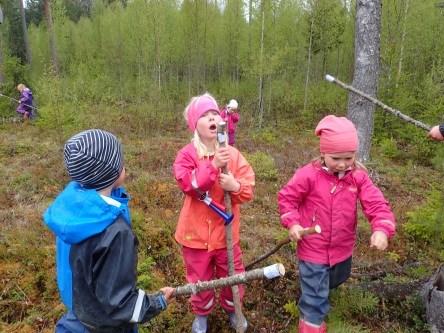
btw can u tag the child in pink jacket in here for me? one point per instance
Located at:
(200, 231)
(231, 116)
(325, 192)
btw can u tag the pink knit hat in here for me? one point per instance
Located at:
(197, 107)
(337, 135)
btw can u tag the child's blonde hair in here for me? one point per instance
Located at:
(202, 150)
(20, 87)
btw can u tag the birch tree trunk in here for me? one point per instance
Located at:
(25, 32)
(52, 41)
(2, 75)
(261, 72)
(401, 51)
(365, 78)
(307, 74)
(250, 18)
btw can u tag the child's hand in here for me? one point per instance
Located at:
(435, 134)
(221, 157)
(295, 232)
(379, 240)
(168, 293)
(228, 182)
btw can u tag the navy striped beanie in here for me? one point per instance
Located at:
(94, 158)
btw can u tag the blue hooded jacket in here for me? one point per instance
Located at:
(75, 215)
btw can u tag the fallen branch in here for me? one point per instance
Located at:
(269, 272)
(393, 291)
(383, 106)
(307, 231)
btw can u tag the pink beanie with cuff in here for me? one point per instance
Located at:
(197, 107)
(337, 135)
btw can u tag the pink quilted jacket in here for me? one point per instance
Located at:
(315, 196)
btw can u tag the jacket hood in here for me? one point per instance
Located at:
(78, 213)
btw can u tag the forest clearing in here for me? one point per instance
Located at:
(131, 67)
(32, 174)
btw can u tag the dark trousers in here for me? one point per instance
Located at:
(70, 324)
(316, 282)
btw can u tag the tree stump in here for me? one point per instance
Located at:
(432, 295)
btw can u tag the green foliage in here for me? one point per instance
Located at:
(263, 166)
(419, 272)
(389, 148)
(324, 101)
(14, 73)
(353, 303)
(57, 114)
(410, 312)
(144, 271)
(292, 309)
(338, 326)
(346, 305)
(329, 19)
(438, 159)
(426, 222)
(267, 136)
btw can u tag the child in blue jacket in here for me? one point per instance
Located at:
(96, 248)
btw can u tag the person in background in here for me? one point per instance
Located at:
(437, 133)
(200, 231)
(25, 107)
(231, 116)
(325, 192)
(96, 248)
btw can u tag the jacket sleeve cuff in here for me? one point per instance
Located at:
(386, 226)
(290, 224)
(238, 191)
(441, 129)
(289, 219)
(162, 301)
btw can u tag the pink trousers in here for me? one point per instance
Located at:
(202, 265)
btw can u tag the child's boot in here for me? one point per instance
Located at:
(200, 324)
(232, 317)
(306, 327)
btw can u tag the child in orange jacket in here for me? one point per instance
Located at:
(200, 230)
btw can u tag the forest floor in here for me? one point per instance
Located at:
(379, 297)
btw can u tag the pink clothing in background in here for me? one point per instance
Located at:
(315, 196)
(231, 119)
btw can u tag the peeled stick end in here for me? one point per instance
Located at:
(329, 78)
(273, 271)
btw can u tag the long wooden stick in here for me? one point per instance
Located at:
(240, 318)
(383, 106)
(307, 231)
(269, 272)
(17, 101)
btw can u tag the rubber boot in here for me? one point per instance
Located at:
(306, 327)
(200, 324)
